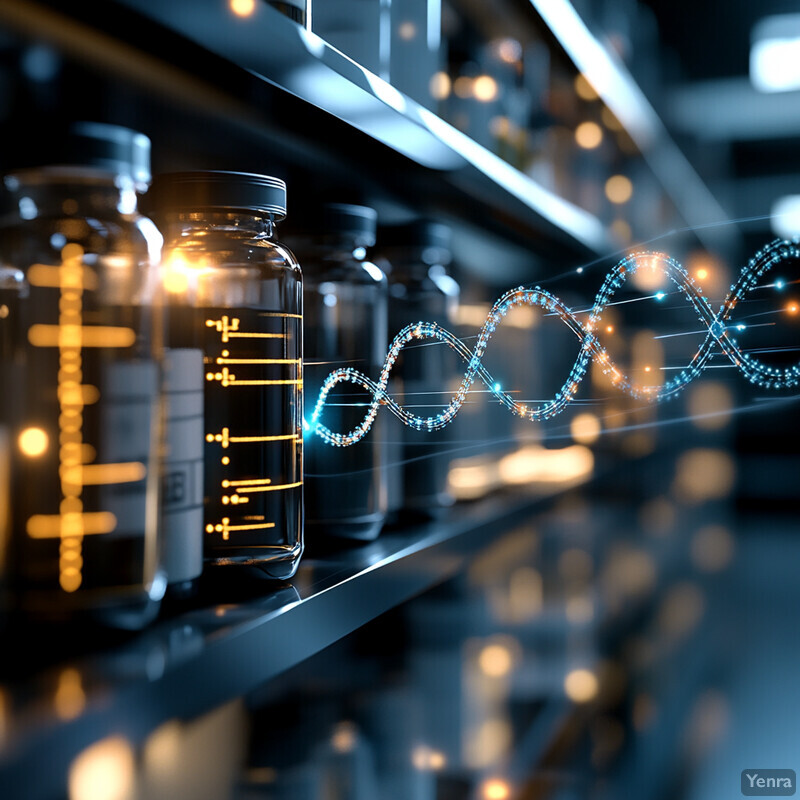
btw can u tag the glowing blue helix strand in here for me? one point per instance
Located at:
(718, 334)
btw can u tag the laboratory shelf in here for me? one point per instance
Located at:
(223, 648)
(307, 103)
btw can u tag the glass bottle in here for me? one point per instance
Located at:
(81, 341)
(345, 324)
(420, 289)
(234, 298)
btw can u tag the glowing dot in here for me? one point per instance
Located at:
(209, 529)
(508, 50)
(175, 281)
(103, 771)
(209, 376)
(495, 789)
(226, 460)
(779, 284)
(588, 135)
(209, 437)
(585, 428)
(243, 8)
(485, 88)
(647, 369)
(495, 660)
(619, 189)
(622, 230)
(225, 484)
(497, 388)
(702, 273)
(609, 329)
(407, 31)
(463, 87)
(792, 308)
(579, 270)
(226, 353)
(33, 442)
(344, 737)
(581, 685)
(741, 326)
(660, 295)
(584, 89)
(3, 311)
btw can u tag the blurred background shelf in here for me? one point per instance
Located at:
(201, 658)
(278, 94)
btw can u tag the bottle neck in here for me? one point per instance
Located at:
(71, 192)
(246, 224)
(335, 247)
(417, 263)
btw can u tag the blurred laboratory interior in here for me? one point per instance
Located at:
(398, 399)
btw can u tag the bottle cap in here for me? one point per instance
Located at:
(195, 191)
(96, 145)
(433, 237)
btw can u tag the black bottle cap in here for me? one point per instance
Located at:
(422, 233)
(195, 191)
(107, 148)
(360, 222)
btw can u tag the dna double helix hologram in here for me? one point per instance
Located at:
(720, 334)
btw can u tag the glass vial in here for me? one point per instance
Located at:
(345, 324)
(420, 289)
(234, 298)
(80, 337)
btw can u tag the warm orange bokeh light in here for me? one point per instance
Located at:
(496, 789)
(243, 8)
(33, 442)
(588, 135)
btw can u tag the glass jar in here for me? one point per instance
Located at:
(234, 298)
(80, 336)
(420, 289)
(345, 324)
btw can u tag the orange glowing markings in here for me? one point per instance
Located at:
(792, 308)
(702, 273)
(229, 328)
(224, 527)
(270, 488)
(223, 438)
(225, 326)
(50, 277)
(79, 336)
(99, 474)
(53, 526)
(250, 482)
(227, 378)
(70, 336)
(224, 360)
